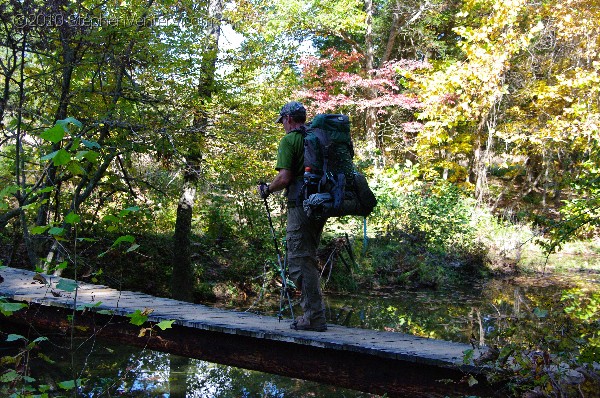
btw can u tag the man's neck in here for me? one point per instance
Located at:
(295, 126)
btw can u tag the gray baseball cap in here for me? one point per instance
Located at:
(291, 108)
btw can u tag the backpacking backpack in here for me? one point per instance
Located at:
(332, 187)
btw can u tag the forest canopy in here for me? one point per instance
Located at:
(142, 117)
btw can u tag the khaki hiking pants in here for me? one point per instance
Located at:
(303, 237)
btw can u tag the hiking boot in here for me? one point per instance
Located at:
(302, 324)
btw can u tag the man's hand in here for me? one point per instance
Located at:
(263, 190)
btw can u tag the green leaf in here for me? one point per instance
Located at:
(72, 218)
(44, 387)
(69, 120)
(66, 285)
(86, 240)
(137, 318)
(92, 156)
(54, 134)
(110, 218)
(128, 210)
(76, 143)
(67, 385)
(61, 158)
(165, 324)
(46, 190)
(9, 376)
(37, 230)
(28, 379)
(9, 190)
(123, 238)
(91, 144)
(8, 308)
(49, 156)
(468, 356)
(75, 169)
(62, 265)
(80, 155)
(56, 231)
(15, 337)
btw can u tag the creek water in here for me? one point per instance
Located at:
(472, 311)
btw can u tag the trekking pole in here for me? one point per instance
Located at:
(282, 269)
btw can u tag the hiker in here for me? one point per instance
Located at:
(303, 234)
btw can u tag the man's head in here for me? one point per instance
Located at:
(293, 109)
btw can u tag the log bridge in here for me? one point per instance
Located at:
(377, 362)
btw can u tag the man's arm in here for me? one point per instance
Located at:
(281, 180)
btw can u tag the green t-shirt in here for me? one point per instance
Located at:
(290, 154)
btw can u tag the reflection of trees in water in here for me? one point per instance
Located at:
(471, 312)
(108, 369)
(140, 371)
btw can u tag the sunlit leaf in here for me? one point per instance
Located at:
(165, 324)
(123, 238)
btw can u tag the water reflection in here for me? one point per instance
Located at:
(459, 312)
(467, 311)
(107, 370)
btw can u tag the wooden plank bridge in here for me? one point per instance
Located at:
(378, 362)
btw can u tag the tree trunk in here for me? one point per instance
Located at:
(391, 41)
(69, 56)
(183, 273)
(371, 113)
(182, 281)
